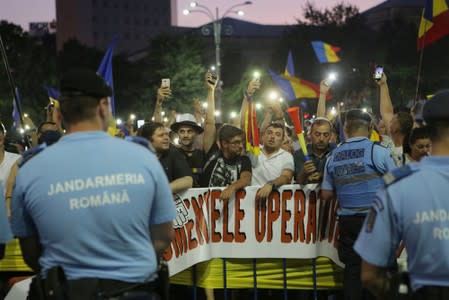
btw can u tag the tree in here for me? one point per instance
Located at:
(337, 15)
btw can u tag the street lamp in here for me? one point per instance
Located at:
(216, 20)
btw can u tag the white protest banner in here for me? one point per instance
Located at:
(295, 223)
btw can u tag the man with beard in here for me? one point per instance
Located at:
(311, 171)
(188, 130)
(174, 165)
(228, 167)
(274, 166)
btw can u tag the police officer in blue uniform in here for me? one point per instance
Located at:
(353, 173)
(5, 231)
(94, 207)
(413, 207)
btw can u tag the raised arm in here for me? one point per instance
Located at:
(321, 108)
(209, 122)
(386, 106)
(253, 86)
(162, 93)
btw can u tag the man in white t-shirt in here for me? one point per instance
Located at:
(274, 166)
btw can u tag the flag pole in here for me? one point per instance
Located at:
(10, 79)
(421, 57)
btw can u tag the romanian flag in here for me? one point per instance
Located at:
(295, 117)
(325, 53)
(251, 129)
(293, 87)
(434, 23)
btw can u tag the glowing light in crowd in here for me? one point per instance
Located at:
(212, 68)
(152, 119)
(176, 140)
(217, 113)
(118, 122)
(27, 127)
(165, 119)
(193, 4)
(342, 103)
(281, 99)
(364, 109)
(162, 113)
(204, 105)
(256, 74)
(132, 117)
(313, 116)
(272, 95)
(241, 13)
(258, 105)
(332, 76)
(185, 12)
(22, 131)
(233, 114)
(333, 111)
(25, 115)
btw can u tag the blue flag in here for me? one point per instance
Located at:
(105, 70)
(15, 111)
(53, 93)
(290, 68)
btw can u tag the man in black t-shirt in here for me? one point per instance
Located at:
(175, 166)
(227, 167)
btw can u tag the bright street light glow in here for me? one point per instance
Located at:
(132, 117)
(258, 105)
(217, 113)
(204, 105)
(273, 95)
(233, 114)
(118, 122)
(185, 12)
(241, 13)
(193, 4)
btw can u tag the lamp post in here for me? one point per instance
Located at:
(216, 21)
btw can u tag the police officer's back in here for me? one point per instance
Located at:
(353, 173)
(97, 206)
(413, 207)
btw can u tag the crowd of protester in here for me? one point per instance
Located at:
(196, 151)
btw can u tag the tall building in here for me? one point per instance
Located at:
(95, 22)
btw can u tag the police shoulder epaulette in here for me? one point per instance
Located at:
(30, 153)
(141, 141)
(399, 173)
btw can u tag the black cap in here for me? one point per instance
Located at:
(437, 108)
(357, 114)
(84, 82)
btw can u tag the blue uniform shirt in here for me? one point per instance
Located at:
(353, 171)
(5, 231)
(92, 199)
(414, 209)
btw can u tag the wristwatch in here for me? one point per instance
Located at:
(273, 185)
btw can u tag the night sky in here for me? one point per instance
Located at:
(261, 11)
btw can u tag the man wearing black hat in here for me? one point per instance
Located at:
(96, 207)
(353, 173)
(412, 206)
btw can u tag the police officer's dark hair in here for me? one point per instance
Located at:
(405, 122)
(413, 136)
(147, 130)
(438, 129)
(227, 132)
(39, 128)
(276, 125)
(78, 108)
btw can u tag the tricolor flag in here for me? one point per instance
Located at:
(325, 53)
(434, 23)
(293, 87)
(105, 70)
(251, 129)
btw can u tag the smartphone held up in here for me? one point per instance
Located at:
(331, 77)
(165, 83)
(378, 71)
